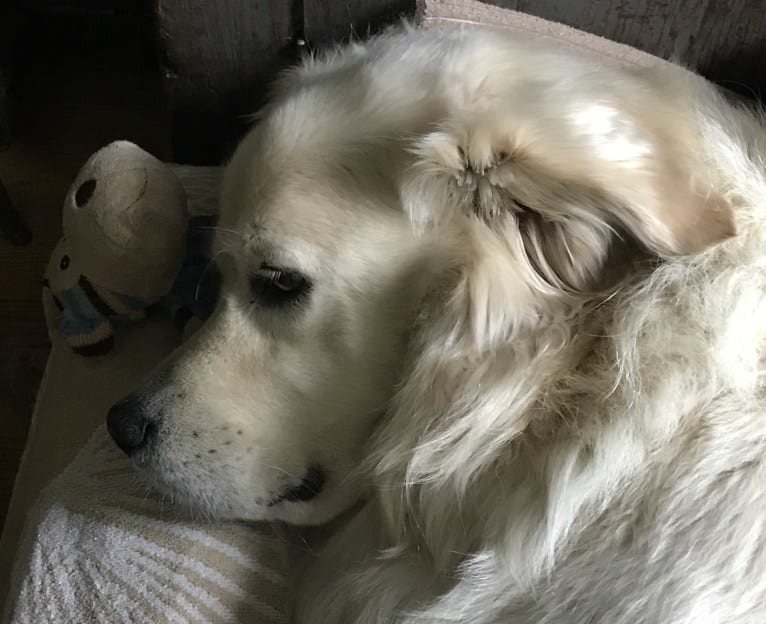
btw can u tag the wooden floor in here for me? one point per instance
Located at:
(69, 102)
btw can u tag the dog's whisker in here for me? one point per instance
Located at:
(222, 230)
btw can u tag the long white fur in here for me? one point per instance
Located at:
(534, 345)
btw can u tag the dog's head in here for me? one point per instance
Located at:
(420, 199)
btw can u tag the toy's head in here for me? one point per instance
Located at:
(125, 221)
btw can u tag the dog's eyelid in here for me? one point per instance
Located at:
(272, 287)
(267, 269)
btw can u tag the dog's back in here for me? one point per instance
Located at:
(674, 462)
(672, 459)
(644, 499)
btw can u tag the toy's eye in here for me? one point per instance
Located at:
(84, 192)
(64, 264)
(272, 287)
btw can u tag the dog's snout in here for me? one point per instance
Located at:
(129, 424)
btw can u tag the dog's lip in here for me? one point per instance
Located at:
(309, 488)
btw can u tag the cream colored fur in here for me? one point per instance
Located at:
(533, 343)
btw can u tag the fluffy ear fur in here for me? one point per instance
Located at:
(627, 164)
(534, 199)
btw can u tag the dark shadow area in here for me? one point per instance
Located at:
(744, 73)
(77, 74)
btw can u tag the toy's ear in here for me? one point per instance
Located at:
(82, 194)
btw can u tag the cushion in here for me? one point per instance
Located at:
(470, 13)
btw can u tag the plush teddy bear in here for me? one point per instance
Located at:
(128, 245)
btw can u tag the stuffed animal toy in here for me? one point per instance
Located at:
(128, 246)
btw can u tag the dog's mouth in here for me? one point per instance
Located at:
(309, 488)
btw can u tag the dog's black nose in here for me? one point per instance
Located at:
(129, 424)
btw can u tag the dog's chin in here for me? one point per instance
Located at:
(202, 496)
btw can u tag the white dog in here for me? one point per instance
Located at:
(514, 300)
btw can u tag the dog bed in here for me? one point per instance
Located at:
(90, 541)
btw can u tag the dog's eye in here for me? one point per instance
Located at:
(273, 287)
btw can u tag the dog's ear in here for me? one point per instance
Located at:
(572, 181)
(529, 201)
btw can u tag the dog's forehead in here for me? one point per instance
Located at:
(308, 216)
(284, 228)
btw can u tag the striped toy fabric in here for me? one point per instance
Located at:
(89, 313)
(101, 547)
(86, 314)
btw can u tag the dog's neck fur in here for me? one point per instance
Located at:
(552, 400)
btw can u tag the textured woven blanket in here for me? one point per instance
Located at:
(101, 546)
